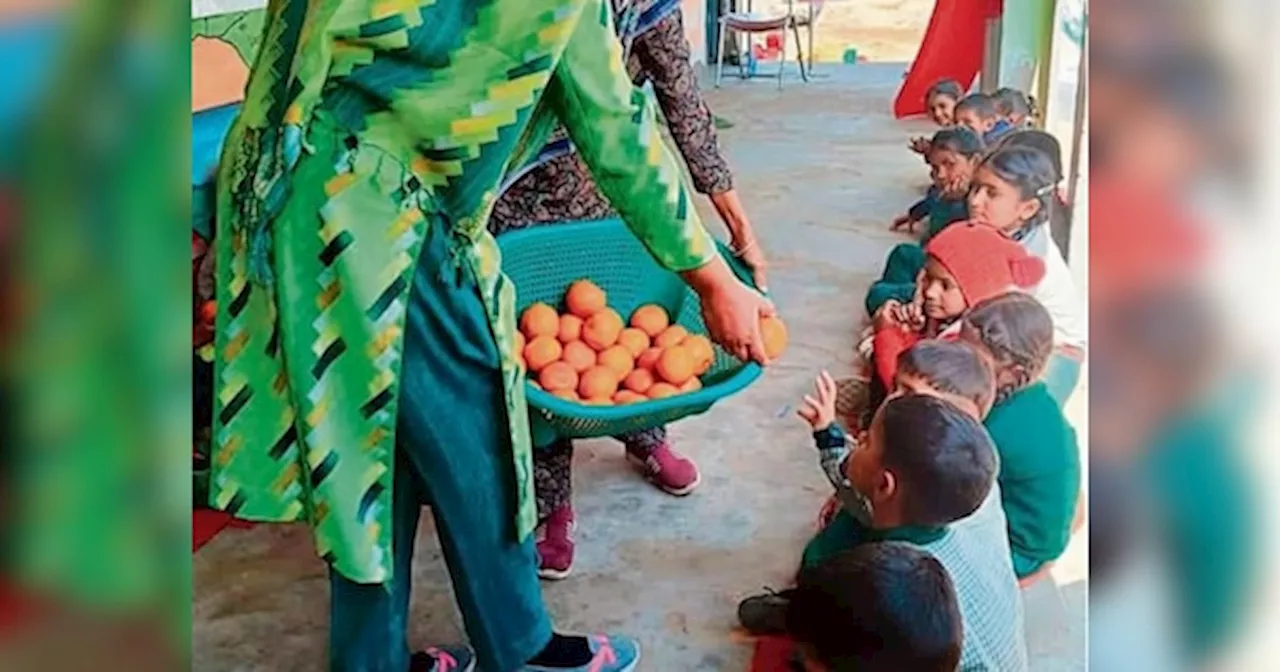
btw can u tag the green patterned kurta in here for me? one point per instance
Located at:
(409, 112)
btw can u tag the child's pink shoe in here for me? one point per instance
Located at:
(555, 544)
(673, 473)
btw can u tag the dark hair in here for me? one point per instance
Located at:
(1010, 102)
(879, 606)
(942, 457)
(1045, 142)
(1034, 174)
(944, 87)
(954, 367)
(1017, 330)
(959, 139)
(983, 104)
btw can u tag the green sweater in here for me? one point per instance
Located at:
(1039, 475)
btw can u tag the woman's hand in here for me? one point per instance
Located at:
(732, 310)
(743, 239)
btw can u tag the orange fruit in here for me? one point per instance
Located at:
(539, 320)
(602, 329)
(599, 383)
(619, 359)
(579, 355)
(663, 390)
(628, 397)
(692, 385)
(571, 395)
(703, 354)
(775, 336)
(672, 335)
(639, 380)
(541, 351)
(676, 365)
(634, 340)
(558, 376)
(570, 328)
(649, 358)
(584, 299)
(651, 319)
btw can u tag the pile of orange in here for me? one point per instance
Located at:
(588, 354)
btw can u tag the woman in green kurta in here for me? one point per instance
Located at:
(365, 329)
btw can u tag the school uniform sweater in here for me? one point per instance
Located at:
(1039, 475)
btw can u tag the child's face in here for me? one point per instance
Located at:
(865, 469)
(951, 167)
(969, 117)
(942, 110)
(943, 299)
(998, 204)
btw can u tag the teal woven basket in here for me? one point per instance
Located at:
(543, 261)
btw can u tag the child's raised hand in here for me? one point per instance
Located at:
(887, 315)
(920, 145)
(819, 409)
(910, 315)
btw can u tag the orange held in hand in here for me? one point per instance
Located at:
(672, 335)
(619, 359)
(639, 380)
(570, 328)
(649, 359)
(676, 365)
(558, 376)
(634, 340)
(602, 329)
(651, 319)
(541, 351)
(663, 390)
(704, 355)
(774, 333)
(539, 320)
(579, 355)
(598, 384)
(584, 299)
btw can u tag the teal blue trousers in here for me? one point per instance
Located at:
(454, 454)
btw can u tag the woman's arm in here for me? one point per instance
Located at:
(663, 54)
(617, 135)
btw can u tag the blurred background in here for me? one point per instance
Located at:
(1184, 428)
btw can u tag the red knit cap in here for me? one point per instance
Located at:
(983, 261)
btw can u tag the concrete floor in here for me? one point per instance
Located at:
(823, 168)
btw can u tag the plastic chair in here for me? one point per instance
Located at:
(753, 23)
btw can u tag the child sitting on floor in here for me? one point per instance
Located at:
(1014, 191)
(955, 154)
(978, 112)
(924, 474)
(966, 263)
(951, 370)
(1039, 457)
(885, 606)
(1014, 107)
(940, 104)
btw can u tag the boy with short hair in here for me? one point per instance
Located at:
(978, 111)
(885, 606)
